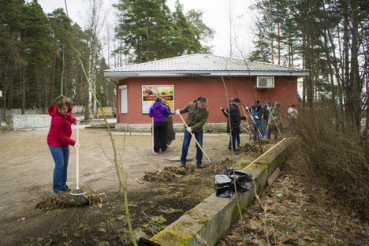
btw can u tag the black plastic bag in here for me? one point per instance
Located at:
(224, 183)
(228, 171)
(145, 242)
(221, 179)
(225, 191)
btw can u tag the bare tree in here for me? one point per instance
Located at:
(94, 18)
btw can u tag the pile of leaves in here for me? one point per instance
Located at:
(168, 173)
(65, 199)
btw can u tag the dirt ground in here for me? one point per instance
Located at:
(26, 169)
(290, 212)
(293, 211)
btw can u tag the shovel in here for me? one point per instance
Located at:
(77, 191)
(196, 141)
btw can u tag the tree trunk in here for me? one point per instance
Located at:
(24, 90)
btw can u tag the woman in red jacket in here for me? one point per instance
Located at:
(59, 140)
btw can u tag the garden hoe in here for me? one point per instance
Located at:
(77, 191)
(196, 141)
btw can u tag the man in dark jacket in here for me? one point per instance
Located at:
(234, 123)
(257, 115)
(225, 112)
(197, 115)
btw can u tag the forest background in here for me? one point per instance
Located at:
(41, 54)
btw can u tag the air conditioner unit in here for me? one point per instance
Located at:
(265, 82)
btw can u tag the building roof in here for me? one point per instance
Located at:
(202, 65)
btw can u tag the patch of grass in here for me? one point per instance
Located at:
(279, 226)
(298, 225)
(169, 210)
(199, 194)
(321, 238)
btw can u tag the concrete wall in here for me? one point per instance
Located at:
(18, 121)
(205, 224)
(77, 109)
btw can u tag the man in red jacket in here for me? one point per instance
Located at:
(59, 140)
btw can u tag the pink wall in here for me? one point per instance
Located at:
(187, 89)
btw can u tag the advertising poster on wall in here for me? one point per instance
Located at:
(150, 92)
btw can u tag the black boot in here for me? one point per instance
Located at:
(182, 164)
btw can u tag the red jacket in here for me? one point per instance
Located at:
(60, 129)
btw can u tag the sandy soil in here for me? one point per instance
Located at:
(26, 167)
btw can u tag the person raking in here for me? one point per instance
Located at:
(197, 115)
(59, 140)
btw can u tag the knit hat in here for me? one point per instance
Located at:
(158, 99)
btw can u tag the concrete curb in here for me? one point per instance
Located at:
(205, 224)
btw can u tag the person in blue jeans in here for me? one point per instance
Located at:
(197, 115)
(257, 119)
(59, 140)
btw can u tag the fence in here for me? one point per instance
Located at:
(77, 109)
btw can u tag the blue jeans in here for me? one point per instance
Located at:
(60, 156)
(186, 144)
(233, 139)
(256, 132)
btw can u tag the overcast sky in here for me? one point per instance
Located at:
(216, 15)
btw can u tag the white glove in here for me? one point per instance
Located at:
(77, 145)
(257, 117)
(188, 129)
(77, 121)
(247, 108)
(178, 112)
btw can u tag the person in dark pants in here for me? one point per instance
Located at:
(225, 112)
(234, 123)
(197, 115)
(59, 140)
(159, 112)
(266, 111)
(274, 120)
(257, 121)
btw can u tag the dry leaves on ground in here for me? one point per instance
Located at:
(292, 212)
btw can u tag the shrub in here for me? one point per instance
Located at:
(332, 157)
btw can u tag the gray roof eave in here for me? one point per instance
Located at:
(117, 76)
